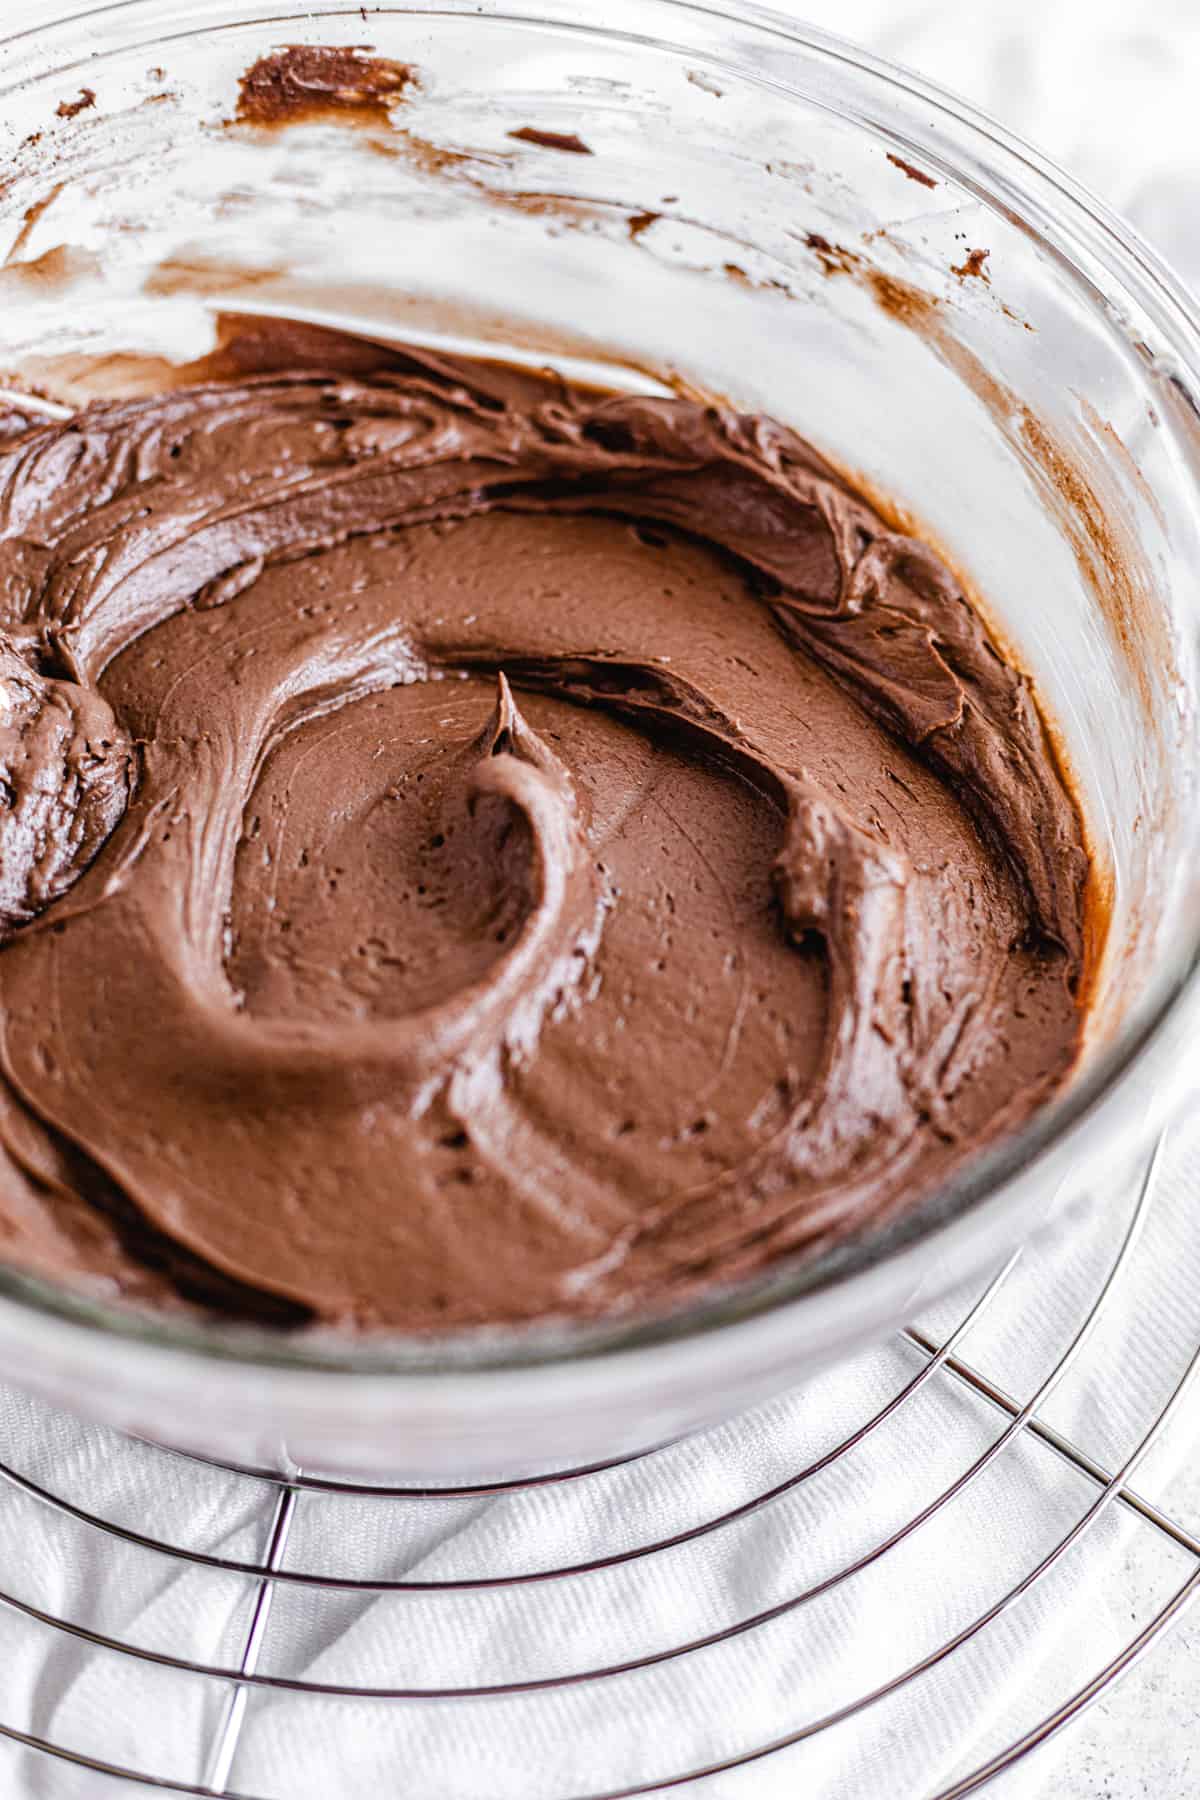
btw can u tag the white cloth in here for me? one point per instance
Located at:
(1112, 96)
(857, 1635)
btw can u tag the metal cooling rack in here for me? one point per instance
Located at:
(239, 1682)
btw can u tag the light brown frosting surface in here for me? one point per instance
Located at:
(474, 851)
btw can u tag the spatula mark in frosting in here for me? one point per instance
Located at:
(487, 851)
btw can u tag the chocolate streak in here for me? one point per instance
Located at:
(474, 851)
(313, 81)
(552, 140)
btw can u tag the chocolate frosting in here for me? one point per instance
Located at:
(476, 850)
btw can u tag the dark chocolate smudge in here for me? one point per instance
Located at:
(553, 140)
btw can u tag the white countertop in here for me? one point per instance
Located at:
(1141, 1739)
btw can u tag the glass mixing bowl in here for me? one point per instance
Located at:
(769, 215)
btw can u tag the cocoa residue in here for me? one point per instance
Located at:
(552, 140)
(29, 219)
(909, 305)
(972, 264)
(906, 168)
(835, 259)
(699, 79)
(320, 81)
(71, 109)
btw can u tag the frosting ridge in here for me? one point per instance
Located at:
(474, 850)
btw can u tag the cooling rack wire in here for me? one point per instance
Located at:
(139, 1574)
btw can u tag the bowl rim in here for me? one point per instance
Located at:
(988, 1179)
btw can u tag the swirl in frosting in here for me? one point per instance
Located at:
(475, 850)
